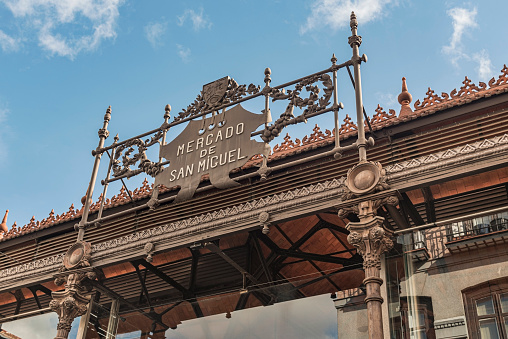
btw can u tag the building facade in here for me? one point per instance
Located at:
(401, 218)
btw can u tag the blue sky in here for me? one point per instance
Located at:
(62, 62)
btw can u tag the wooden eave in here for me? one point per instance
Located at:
(396, 144)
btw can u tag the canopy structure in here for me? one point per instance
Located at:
(309, 217)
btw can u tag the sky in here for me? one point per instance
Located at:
(63, 62)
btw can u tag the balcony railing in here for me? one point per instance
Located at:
(477, 227)
(488, 230)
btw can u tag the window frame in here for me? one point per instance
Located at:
(493, 289)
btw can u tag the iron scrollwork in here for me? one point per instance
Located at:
(125, 150)
(230, 93)
(313, 103)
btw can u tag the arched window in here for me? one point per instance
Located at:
(486, 307)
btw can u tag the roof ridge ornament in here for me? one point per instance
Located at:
(3, 225)
(405, 99)
(468, 89)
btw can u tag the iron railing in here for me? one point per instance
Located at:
(477, 227)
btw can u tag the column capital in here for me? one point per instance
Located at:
(371, 239)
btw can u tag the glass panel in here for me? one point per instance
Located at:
(488, 329)
(420, 334)
(504, 302)
(485, 306)
(506, 325)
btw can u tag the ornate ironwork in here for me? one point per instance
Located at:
(206, 101)
(125, 151)
(312, 104)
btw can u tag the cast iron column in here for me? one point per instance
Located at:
(371, 240)
(363, 196)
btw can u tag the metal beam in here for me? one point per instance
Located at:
(262, 259)
(193, 271)
(166, 278)
(343, 269)
(36, 297)
(143, 285)
(308, 256)
(18, 294)
(215, 249)
(242, 301)
(310, 261)
(411, 209)
(113, 295)
(355, 259)
(430, 209)
(187, 295)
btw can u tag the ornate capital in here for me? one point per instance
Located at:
(70, 303)
(73, 301)
(371, 240)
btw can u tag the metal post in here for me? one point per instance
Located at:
(103, 134)
(113, 319)
(335, 103)
(355, 41)
(268, 119)
(106, 182)
(83, 322)
(267, 81)
(167, 110)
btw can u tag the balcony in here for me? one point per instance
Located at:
(476, 233)
(417, 244)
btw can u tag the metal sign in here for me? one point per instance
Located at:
(212, 146)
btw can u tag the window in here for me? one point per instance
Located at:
(416, 324)
(486, 308)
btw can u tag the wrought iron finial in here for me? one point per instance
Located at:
(116, 138)
(103, 132)
(107, 116)
(267, 80)
(352, 21)
(405, 99)
(354, 39)
(334, 59)
(167, 110)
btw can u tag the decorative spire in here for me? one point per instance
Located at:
(3, 225)
(405, 99)
(167, 111)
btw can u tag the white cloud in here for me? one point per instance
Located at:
(386, 100)
(199, 20)
(183, 53)
(484, 65)
(462, 20)
(38, 327)
(154, 33)
(335, 13)
(8, 43)
(68, 27)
